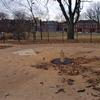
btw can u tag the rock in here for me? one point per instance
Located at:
(6, 95)
(41, 66)
(97, 87)
(95, 95)
(41, 83)
(25, 52)
(82, 90)
(60, 90)
(63, 80)
(88, 86)
(70, 82)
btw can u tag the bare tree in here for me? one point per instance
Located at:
(32, 7)
(93, 13)
(29, 6)
(19, 15)
(19, 18)
(3, 16)
(59, 17)
(72, 16)
(71, 11)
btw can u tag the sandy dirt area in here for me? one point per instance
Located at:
(23, 78)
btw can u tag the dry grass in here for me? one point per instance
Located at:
(58, 37)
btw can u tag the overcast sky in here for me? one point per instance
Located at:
(53, 7)
(85, 6)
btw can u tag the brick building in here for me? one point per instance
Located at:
(83, 26)
(86, 26)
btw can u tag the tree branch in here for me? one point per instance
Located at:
(63, 10)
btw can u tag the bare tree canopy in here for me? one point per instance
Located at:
(3, 15)
(93, 13)
(19, 15)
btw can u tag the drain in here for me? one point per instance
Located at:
(58, 61)
(62, 60)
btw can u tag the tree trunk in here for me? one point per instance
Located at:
(70, 31)
(34, 36)
(41, 29)
(98, 26)
(18, 37)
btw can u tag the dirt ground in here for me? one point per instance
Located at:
(33, 77)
